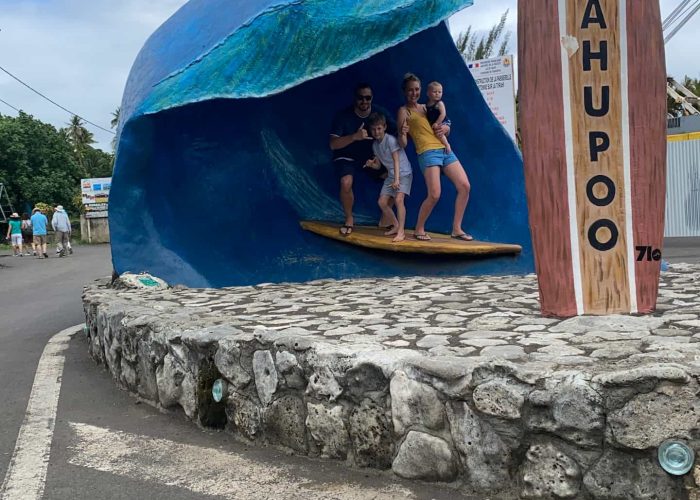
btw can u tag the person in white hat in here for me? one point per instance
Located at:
(14, 233)
(61, 226)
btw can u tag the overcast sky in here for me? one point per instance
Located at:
(79, 52)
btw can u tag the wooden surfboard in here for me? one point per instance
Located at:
(592, 111)
(373, 237)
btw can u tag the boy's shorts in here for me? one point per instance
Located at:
(436, 158)
(16, 239)
(404, 186)
(39, 239)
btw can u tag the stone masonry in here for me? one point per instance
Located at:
(457, 380)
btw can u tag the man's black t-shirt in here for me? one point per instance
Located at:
(346, 122)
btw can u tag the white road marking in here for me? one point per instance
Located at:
(206, 471)
(26, 474)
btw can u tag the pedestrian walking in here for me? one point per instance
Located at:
(61, 226)
(39, 223)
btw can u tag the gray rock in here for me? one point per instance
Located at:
(244, 414)
(570, 408)
(618, 475)
(371, 436)
(328, 430)
(227, 361)
(484, 454)
(547, 472)
(414, 403)
(499, 398)
(265, 376)
(323, 383)
(670, 372)
(429, 341)
(610, 323)
(147, 360)
(176, 386)
(284, 421)
(286, 362)
(422, 456)
(505, 352)
(365, 380)
(649, 419)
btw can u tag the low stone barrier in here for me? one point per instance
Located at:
(471, 388)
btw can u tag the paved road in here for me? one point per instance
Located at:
(106, 445)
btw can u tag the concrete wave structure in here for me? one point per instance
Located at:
(223, 142)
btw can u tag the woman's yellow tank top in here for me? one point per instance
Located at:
(422, 133)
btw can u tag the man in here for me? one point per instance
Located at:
(39, 223)
(61, 225)
(352, 147)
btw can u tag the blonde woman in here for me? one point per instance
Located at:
(433, 158)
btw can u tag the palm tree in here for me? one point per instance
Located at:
(80, 138)
(114, 123)
(474, 49)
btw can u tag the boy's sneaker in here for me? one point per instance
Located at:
(70, 251)
(61, 253)
(34, 253)
(46, 256)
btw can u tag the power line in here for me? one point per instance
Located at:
(55, 103)
(8, 104)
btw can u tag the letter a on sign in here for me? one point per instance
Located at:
(594, 154)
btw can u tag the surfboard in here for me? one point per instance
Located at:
(440, 244)
(592, 112)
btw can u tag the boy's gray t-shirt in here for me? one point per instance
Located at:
(383, 151)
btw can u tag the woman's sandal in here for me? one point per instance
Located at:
(422, 237)
(345, 230)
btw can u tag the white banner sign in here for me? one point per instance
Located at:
(95, 194)
(495, 80)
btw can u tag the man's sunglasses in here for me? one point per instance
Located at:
(367, 98)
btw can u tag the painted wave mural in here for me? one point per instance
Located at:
(223, 143)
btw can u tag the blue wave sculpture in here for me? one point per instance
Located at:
(223, 142)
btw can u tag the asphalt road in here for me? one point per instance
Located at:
(106, 445)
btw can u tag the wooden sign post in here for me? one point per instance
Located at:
(593, 106)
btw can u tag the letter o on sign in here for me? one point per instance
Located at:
(609, 184)
(593, 235)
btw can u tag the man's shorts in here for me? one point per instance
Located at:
(39, 239)
(436, 158)
(16, 239)
(351, 167)
(404, 186)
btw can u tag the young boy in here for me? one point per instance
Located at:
(397, 185)
(436, 112)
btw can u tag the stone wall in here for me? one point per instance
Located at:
(516, 430)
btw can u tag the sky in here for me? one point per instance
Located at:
(79, 52)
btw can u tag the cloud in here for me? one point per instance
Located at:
(79, 52)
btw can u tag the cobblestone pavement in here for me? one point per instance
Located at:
(472, 317)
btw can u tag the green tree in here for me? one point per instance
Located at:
(473, 48)
(36, 162)
(114, 123)
(80, 138)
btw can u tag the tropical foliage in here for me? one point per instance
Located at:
(474, 47)
(39, 163)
